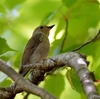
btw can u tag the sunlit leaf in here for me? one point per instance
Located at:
(11, 4)
(75, 81)
(53, 83)
(81, 18)
(48, 18)
(5, 83)
(4, 47)
(69, 3)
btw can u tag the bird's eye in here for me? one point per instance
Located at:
(41, 27)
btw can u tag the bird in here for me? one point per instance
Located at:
(37, 48)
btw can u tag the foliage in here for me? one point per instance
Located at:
(76, 21)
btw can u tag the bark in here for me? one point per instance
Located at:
(72, 59)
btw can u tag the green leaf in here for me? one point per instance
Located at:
(4, 47)
(98, 87)
(68, 3)
(75, 81)
(97, 69)
(59, 27)
(80, 18)
(48, 18)
(11, 4)
(6, 82)
(55, 84)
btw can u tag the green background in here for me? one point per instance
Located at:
(76, 22)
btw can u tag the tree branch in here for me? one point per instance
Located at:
(23, 84)
(72, 59)
(76, 61)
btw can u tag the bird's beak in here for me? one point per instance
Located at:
(50, 27)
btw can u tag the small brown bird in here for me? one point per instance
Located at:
(36, 49)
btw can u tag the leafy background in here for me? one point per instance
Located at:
(76, 22)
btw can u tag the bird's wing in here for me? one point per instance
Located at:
(29, 50)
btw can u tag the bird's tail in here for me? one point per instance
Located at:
(23, 71)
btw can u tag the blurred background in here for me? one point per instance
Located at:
(76, 22)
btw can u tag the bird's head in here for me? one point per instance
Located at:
(44, 29)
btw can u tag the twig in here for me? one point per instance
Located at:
(78, 48)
